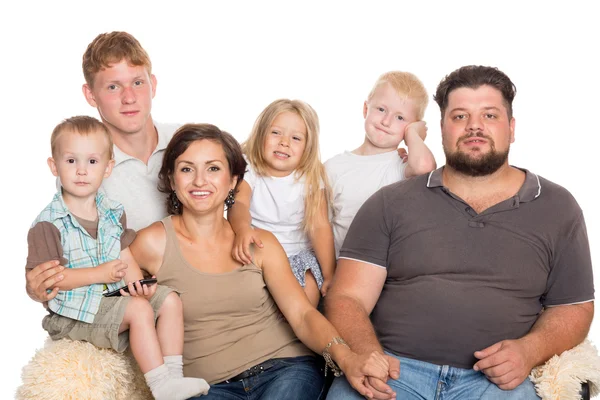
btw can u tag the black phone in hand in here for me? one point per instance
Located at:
(117, 292)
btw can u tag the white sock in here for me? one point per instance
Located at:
(175, 365)
(165, 387)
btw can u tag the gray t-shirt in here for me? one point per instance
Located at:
(458, 281)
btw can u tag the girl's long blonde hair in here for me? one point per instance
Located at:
(310, 163)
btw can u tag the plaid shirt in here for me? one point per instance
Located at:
(83, 251)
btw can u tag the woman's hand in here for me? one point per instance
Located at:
(137, 289)
(359, 367)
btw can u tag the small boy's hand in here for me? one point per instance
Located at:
(241, 245)
(113, 271)
(416, 128)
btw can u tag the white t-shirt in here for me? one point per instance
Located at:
(277, 206)
(353, 180)
(135, 184)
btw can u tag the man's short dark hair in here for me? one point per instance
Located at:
(474, 76)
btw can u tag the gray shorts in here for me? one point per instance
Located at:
(306, 261)
(104, 331)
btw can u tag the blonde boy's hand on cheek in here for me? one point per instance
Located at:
(416, 128)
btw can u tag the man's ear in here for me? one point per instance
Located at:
(52, 165)
(89, 95)
(365, 107)
(512, 130)
(153, 80)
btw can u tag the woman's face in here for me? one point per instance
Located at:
(201, 177)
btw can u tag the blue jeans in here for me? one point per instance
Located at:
(424, 381)
(295, 378)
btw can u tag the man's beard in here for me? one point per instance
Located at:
(482, 166)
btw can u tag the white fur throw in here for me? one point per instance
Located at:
(66, 369)
(561, 377)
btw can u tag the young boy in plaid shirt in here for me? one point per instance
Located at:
(87, 233)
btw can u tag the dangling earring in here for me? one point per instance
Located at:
(174, 203)
(230, 200)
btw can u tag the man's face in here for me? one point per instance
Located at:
(123, 95)
(476, 131)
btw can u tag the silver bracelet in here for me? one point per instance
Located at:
(329, 363)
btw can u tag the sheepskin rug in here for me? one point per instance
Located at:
(73, 370)
(561, 376)
(66, 369)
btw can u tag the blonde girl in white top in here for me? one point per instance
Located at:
(285, 191)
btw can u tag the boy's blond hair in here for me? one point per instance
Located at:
(111, 48)
(407, 86)
(310, 165)
(82, 125)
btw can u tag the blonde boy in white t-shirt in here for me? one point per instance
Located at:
(393, 112)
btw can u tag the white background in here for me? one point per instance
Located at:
(224, 63)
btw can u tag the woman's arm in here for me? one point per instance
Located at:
(308, 324)
(148, 247)
(321, 239)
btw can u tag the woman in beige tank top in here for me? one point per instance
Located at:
(235, 335)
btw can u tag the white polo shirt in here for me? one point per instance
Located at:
(134, 184)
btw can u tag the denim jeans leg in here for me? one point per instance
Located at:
(341, 390)
(298, 378)
(468, 384)
(418, 381)
(227, 391)
(525, 391)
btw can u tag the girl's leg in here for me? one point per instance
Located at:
(311, 289)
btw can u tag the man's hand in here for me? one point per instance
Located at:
(379, 388)
(505, 363)
(41, 278)
(112, 271)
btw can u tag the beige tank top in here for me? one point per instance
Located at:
(231, 322)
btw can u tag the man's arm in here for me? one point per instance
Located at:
(353, 294)
(41, 278)
(559, 328)
(420, 158)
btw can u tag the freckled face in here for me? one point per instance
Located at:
(386, 117)
(123, 95)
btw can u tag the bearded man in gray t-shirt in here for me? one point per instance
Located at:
(470, 276)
